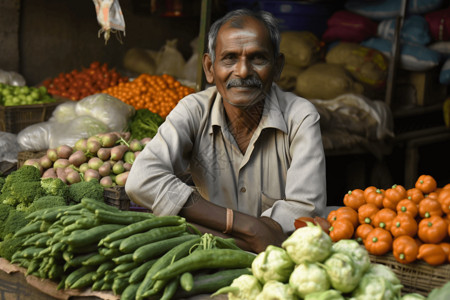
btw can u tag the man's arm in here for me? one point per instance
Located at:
(251, 233)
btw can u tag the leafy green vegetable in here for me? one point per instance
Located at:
(145, 124)
(22, 187)
(15, 221)
(11, 245)
(309, 243)
(275, 290)
(272, 264)
(46, 202)
(414, 296)
(309, 278)
(55, 187)
(90, 189)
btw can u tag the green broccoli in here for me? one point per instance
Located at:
(86, 189)
(46, 202)
(15, 221)
(55, 187)
(2, 182)
(22, 186)
(4, 212)
(11, 245)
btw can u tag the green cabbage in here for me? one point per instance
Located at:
(309, 278)
(309, 243)
(413, 296)
(272, 264)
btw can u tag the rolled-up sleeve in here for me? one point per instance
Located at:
(155, 178)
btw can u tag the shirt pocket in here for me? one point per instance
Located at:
(267, 201)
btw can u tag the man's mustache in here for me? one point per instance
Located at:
(244, 82)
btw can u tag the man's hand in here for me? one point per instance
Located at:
(263, 231)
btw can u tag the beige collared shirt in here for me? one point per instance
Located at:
(281, 175)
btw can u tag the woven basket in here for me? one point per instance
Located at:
(22, 156)
(417, 277)
(15, 118)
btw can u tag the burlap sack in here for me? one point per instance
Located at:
(288, 77)
(326, 81)
(367, 65)
(300, 48)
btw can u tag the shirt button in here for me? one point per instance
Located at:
(243, 190)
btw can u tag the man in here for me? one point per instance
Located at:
(242, 157)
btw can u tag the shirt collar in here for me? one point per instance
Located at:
(272, 115)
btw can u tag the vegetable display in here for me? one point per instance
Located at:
(78, 84)
(11, 95)
(157, 93)
(79, 249)
(411, 223)
(105, 157)
(345, 272)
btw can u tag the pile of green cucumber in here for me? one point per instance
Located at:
(136, 255)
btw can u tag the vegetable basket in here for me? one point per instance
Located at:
(22, 156)
(417, 277)
(15, 118)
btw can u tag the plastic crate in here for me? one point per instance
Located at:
(15, 118)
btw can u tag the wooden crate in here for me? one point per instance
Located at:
(417, 277)
(15, 118)
(116, 196)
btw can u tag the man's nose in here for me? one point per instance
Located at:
(243, 68)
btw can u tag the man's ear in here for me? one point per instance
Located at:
(279, 65)
(208, 68)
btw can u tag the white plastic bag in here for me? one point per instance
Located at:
(68, 133)
(11, 78)
(64, 112)
(111, 111)
(190, 68)
(35, 137)
(169, 60)
(110, 18)
(9, 148)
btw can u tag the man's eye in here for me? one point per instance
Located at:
(229, 58)
(259, 59)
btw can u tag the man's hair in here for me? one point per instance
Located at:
(266, 18)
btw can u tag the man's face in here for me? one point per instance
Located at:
(244, 68)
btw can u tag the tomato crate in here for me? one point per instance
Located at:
(15, 118)
(416, 277)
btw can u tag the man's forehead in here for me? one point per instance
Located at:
(243, 27)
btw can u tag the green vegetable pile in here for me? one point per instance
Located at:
(11, 95)
(134, 254)
(309, 266)
(145, 124)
